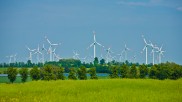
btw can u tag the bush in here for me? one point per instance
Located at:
(124, 71)
(82, 73)
(153, 72)
(12, 72)
(176, 72)
(72, 74)
(114, 72)
(143, 71)
(92, 73)
(60, 73)
(163, 72)
(133, 71)
(35, 73)
(24, 74)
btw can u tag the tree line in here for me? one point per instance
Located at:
(52, 72)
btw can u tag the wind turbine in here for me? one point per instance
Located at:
(125, 51)
(160, 53)
(43, 49)
(120, 55)
(38, 52)
(145, 48)
(108, 55)
(50, 48)
(30, 53)
(153, 52)
(14, 56)
(134, 59)
(94, 44)
(76, 55)
(10, 58)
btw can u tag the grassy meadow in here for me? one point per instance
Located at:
(102, 90)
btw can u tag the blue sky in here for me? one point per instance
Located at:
(71, 22)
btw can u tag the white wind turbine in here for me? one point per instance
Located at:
(38, 53)
(125, 51)
(30, 53)
(95, 43)
(50, 51)
(159, 50)
(14, 56)
(10, 58)
(43, 49)
(153, 52)
(145, 48)
(134, 59)
(76, 55)
(120, 55)
(108, 55)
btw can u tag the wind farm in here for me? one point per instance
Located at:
(90, 51)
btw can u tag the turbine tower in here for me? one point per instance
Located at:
(108, 55)
(43, 49)
(145, 48)
(125, 51)
(10, 58)
(160, 53)
(50, 51)
(30, 53)
(153, 52)
(38, 52)
(94, 44)
(120, 55)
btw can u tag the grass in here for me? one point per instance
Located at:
(103, 90)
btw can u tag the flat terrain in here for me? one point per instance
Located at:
(103, 90)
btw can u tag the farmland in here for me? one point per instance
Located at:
(102, 90)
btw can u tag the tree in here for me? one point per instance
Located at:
(114, 72)
(96, 61)
(92, 73)
(24, 74)
(72, 74)
(143, 71)
(60, 73)
(35, 73)
(153, 72)
(133, 71)
(12, 72)
(124, 71)
(164, 72)
(82, 73)
(102, 61)
(176, 72)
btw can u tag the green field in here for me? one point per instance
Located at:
(103, 90)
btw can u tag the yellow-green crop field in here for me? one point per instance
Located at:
(102, 90)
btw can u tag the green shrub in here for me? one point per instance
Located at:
(24, 74)
(133, 71)
(92, 72)
(114, 72)
(81, 72)
(72, 74)
(124, 71)
(143, 71)
(35, 73)
(12, 72)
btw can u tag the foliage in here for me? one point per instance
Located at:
(92, 72)
(133, 71)
(124, 71)
(60, 73)
(81, 72)
(24, 74)
(96, 61)
(102, 61)
(12, 72)
(72, 74)
(114, 72)
(143, 71)
(35, 73)
(153, 72)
